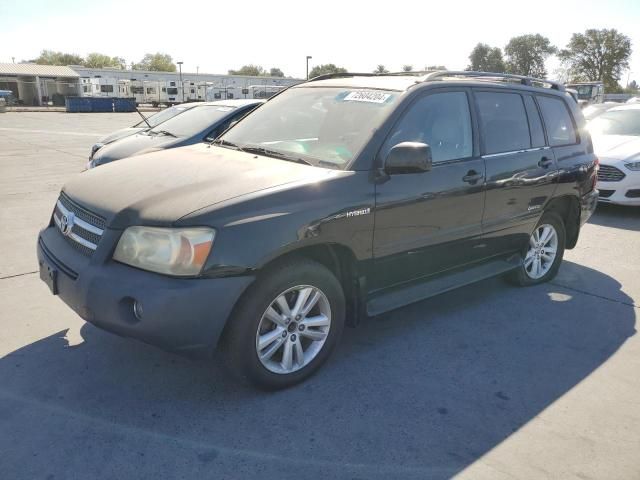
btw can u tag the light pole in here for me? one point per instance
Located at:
(181, 84)
(308, 58)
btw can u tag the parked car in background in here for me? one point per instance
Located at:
(151, 121)
(592, 111)
(199, 122)
(343, 197)
(616, 140)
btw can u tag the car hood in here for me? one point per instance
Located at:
(615, 147)
(123, 132)
(133, 145)
(161, 187)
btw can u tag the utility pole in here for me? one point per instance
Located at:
(181, 84)
(308, 58)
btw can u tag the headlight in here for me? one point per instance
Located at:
(171, 251)
(635, 166)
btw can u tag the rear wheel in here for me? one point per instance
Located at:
(286, 325)
(543, 254)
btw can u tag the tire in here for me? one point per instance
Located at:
(271, 350)
(535, 251)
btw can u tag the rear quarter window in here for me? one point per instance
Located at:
(557, 121)
(503, 121)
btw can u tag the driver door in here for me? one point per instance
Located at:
(430, 222)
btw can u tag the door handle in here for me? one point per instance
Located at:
(545, 162)
(472, 177)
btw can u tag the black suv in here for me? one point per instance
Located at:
(340, 198)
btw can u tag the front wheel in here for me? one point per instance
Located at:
(544, 252)
(286, 325)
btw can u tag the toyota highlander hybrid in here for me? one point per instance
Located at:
(340, 198)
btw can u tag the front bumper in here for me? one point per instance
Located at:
(619, 192)
(181, 315)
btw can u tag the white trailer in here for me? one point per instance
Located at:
(263, 91)
(105, 87)
(218, 92)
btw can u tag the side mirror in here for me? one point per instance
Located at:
(408, 157)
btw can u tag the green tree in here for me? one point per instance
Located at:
(276, 72)
(597, 55)
(381, 69)
(49, 57)
(99, 60)
(407, 68)
(325, 69)
(249, 70)
(156, 62)
(484, 58)
(430, 68)
(526, 55)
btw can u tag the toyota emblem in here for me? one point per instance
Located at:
(66, 223)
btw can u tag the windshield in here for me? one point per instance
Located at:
(193, 121)
(326, 126)
(162, 116)
(617, 122)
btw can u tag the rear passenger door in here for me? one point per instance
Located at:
(429, 222)
(521, 168)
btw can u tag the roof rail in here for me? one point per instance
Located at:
(327, 76)
(529, 81)
(428, 75)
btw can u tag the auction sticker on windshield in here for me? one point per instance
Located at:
(364, 96)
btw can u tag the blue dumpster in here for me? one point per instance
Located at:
(124, 105)
(77, 104)
(101, 104)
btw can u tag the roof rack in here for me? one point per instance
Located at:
(529, 81)
(327, 76)
(428, 75)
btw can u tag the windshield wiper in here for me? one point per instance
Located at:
(227, 144)
(163, 132)
(275, 154)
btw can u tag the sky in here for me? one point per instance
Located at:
(218, 36)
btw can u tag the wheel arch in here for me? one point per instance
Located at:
(340, 260)
(568, 208)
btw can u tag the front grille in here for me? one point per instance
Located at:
(607, 173)
(605, 193)
(635, 193)
(81, 228)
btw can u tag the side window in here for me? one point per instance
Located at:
(535, 124)
(441, 120)
(557, 120)
(503, 121)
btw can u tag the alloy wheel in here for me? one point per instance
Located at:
(293, 329)
(542, 251)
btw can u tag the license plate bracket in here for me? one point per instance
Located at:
(49, 275)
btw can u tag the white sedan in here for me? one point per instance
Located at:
(616, 140)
